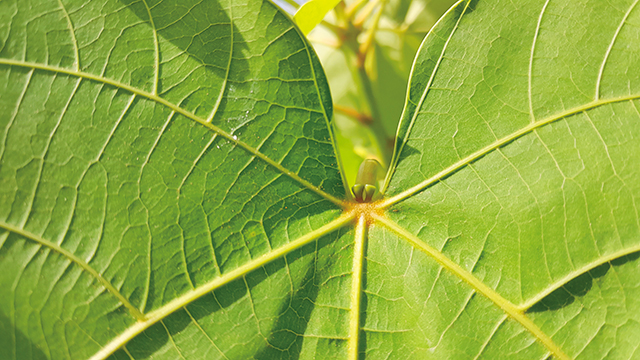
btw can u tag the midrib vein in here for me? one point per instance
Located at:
(496, 144)
(509, 308)
(155, 316)
(183, 112)
(57, 248)
(356, 288)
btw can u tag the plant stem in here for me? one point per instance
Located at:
(336, 29)
(353, 113)
(325, 42)
(353, 8)
(376, 124)
(371, 32)
(364, 14)
(352, 29)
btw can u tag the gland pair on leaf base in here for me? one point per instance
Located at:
(367, 181)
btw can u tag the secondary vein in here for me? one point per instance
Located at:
(156, 50)
(497, 144)
(223, 88)
(574, 274)
(186, 113)
(57, 248)
(509, 308)
(155, 316)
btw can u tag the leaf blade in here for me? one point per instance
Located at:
(144, 175)
(511, 171)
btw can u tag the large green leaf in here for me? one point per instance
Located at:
(170, 188)
(516, 160)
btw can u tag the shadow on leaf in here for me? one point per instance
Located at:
(578, 287)
(220, 315)
(22, 345)
(286, 337)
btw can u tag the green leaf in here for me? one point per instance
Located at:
(150, 154)
(170, 188)
(514, 159)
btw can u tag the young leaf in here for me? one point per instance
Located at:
(312, 12)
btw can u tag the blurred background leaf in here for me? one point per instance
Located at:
(367, 49)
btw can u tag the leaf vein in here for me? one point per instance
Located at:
(146, 208)
(574, 274)
(223, 88)
(533, 47)
(36, 182)
(195, 322)
(175, 346)
(72, 34)
(396, 155)
(467, 301)
(491, 335)
(564, 197)
(178, 190)
(356, 288)
(496, 221)
(497, 144)
(613, 40)
(535, 199)
(326, 116)
(5, 134)
(188, 115)
(55, 247)
(509, 308)
(188, 297)
(156, 46)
